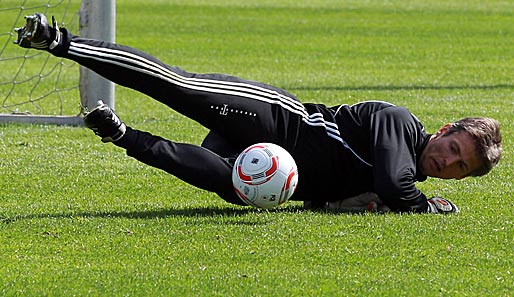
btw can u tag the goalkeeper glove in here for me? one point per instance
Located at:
(38, 34)
(365, 202)
(441, 206)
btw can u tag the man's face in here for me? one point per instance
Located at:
(449, 156)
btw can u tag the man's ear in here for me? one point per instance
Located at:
(443, 130)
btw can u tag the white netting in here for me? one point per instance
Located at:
(34, 82)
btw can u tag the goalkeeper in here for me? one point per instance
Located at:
(368, 147)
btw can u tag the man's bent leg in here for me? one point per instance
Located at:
(193, 164)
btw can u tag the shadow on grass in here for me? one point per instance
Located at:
(406, 87)
(199, 212)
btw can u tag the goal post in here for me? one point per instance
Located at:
(38, 88)
(97, 20)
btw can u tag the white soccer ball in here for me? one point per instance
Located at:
(265, 175)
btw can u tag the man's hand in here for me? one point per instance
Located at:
(365, 202)
(38, 34)
(441, 206)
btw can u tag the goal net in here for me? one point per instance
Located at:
(36, 87)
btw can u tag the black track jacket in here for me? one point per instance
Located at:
(383, 142)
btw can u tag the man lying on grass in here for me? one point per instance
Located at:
(369, 147)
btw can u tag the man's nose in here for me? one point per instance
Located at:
(451, 160)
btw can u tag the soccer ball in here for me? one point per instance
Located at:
(265, 175)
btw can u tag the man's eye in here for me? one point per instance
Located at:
(453, 149)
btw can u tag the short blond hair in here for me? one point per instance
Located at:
(488, 140)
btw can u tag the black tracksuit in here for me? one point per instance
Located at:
(340, 151)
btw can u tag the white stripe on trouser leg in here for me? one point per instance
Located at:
(140, 64)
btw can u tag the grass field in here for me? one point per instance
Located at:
(78, 217)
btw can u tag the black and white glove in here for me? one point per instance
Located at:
(441, 206)
(38, 33)
(365, 202)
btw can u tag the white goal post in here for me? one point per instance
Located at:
(38, 88)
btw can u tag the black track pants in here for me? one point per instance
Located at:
(238, 113)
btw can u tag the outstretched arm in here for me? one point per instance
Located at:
(370, 202)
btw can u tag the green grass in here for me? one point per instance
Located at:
(78, 217)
